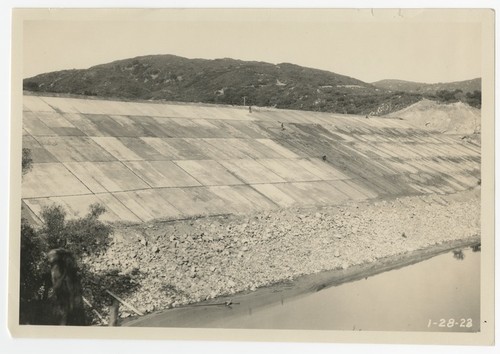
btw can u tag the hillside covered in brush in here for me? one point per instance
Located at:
(224, 81)
(467, 86)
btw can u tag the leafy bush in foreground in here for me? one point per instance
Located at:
(83, 236)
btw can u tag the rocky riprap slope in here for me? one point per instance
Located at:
(171, 264)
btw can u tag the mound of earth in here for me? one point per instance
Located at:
(452, 118)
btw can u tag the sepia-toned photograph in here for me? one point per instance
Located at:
(323, 174)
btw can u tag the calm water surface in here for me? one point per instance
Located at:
(439, 294)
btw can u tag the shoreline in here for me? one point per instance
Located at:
(302, 286)
(173, 264)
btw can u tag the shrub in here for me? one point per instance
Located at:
(473, 99)
(86, 235)
(32, 263)
(83, 236)
(27, 161)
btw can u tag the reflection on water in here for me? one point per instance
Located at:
(459, 254)
(439, 294)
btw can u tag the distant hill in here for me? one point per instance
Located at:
(237, 82)
(226, 81)
(417, 87)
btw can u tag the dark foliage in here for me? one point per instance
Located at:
(473, 99)
(27, 161)
(82, 236)
(228, 81)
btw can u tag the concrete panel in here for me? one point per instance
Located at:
(405, 167)
(51, 179)
(289, 170)
(324, 170)
(194, 201)
(159, 174)
(420, 188)
(176, 111)
(112, 107)
(466, 150)
(466, 179)
(359, 186)
(148, 204)
(207, 129)
(60, 104)
(245, 148)
(313, 193)
(36, 104)
(142, 149)
(242, 199)
(303, 196)
(149, 127)
(167, 151)
(116, 148)
(110, 127)
(251, 171)
(69, 149)
(248, 128)
(117, 208)
(406, 151)
(260, 151)
(229, 148)
(36, 206)
(224, 113)
(79, 206)
(381, 150)
(209, 172)
(57, 123)
(229, 130)
(83, 124)
(38, 153)
(348, 189)
(163, 110)
(275, 194)
(183, 149)
(171, 129)
(102, 177)
(420, 166)
(279, 149)
(453, 183)
(35, 126)
(211, 151)
(128, 127)
(366, 147)
(153, 109)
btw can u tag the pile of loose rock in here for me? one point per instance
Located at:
(173, 263)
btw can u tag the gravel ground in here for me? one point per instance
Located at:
(175, 263)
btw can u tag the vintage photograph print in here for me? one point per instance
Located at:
(255, 174)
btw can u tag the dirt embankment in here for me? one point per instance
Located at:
(181, 262)
(452, 118)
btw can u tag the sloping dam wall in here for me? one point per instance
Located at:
(146, 161)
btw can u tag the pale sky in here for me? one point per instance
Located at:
(421, 48)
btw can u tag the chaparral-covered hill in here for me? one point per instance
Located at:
(226, 81)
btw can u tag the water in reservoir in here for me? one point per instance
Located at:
(439, 294)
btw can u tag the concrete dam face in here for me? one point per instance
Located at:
(154, 161)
